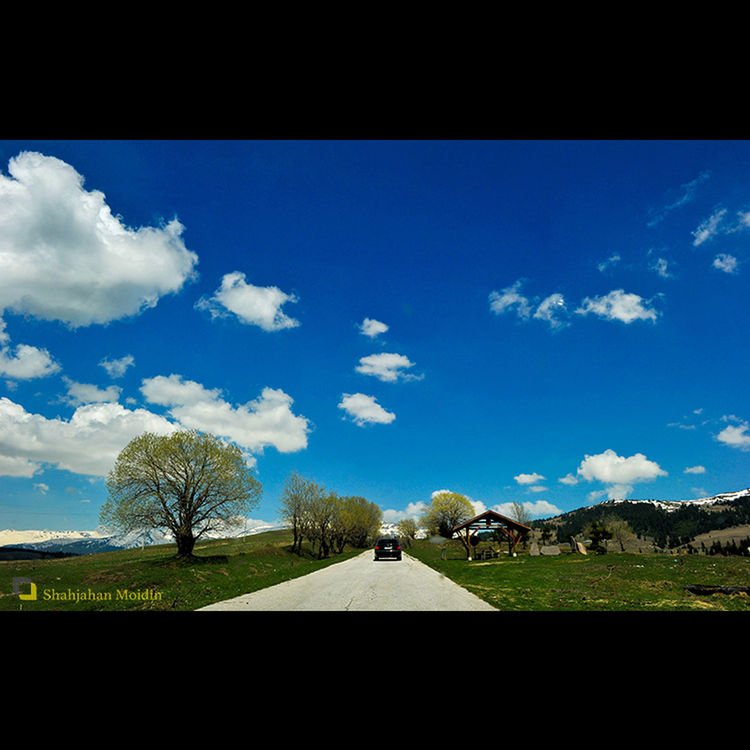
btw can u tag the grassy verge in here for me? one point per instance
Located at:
(613, 582)
(153, 579)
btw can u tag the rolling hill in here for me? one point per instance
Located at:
(663, 524)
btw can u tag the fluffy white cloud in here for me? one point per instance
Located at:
(266, 421)
(708, 228)
(618, 305)
(725, 262)
(117, 367)
(253, 305)
(386, 367)
(372, 328)
(25, 362)
(64, 255)
(618, 472)
(85, 393)
(365, 409)
(528, 478)
(568, 479)
(88, 443)
(735, 436)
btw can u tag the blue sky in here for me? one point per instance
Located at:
(548, 322)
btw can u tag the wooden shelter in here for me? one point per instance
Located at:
(490, 520)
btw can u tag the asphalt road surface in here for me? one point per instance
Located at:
(362, 584)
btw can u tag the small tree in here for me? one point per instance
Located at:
(407, 530)
(295, 502)
(188, 483)
(519, 513)
(321, 521)
(621, 531)
(597, 533)
(547, 531)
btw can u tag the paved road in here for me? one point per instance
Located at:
(361, 584)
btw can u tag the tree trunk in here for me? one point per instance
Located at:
(185, 543)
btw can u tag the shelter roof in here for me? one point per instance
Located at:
(490, 519)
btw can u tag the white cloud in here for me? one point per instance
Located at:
(610, 468)
(26, 362)
(528, 478)
(508, 299)
(365, 409)
(440, 492)
(708, 228)
(372, 328)
(568, 479)
(618, 472)
(661, 267)
(618, 305)
(695, 470)
(253, 305)
(549, 310)
(725, 262)
(42, 487)
(84, 393)
(688, 194)
(64, 255)
(537, 509)
(613, 260)
(117, 367)
(735, 436)
(386, 367)
(88, 443)
(266, 421)
(412, 510)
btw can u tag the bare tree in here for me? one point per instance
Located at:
(296, 501)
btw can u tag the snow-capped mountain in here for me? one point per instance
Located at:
(88, 542)
(671, 505)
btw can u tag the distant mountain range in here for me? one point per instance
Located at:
(88, 542)
(668, 524)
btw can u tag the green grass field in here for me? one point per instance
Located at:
(612, 582)
(153, 579)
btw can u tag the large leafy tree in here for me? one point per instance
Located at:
(447, 510)
(188, 483)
